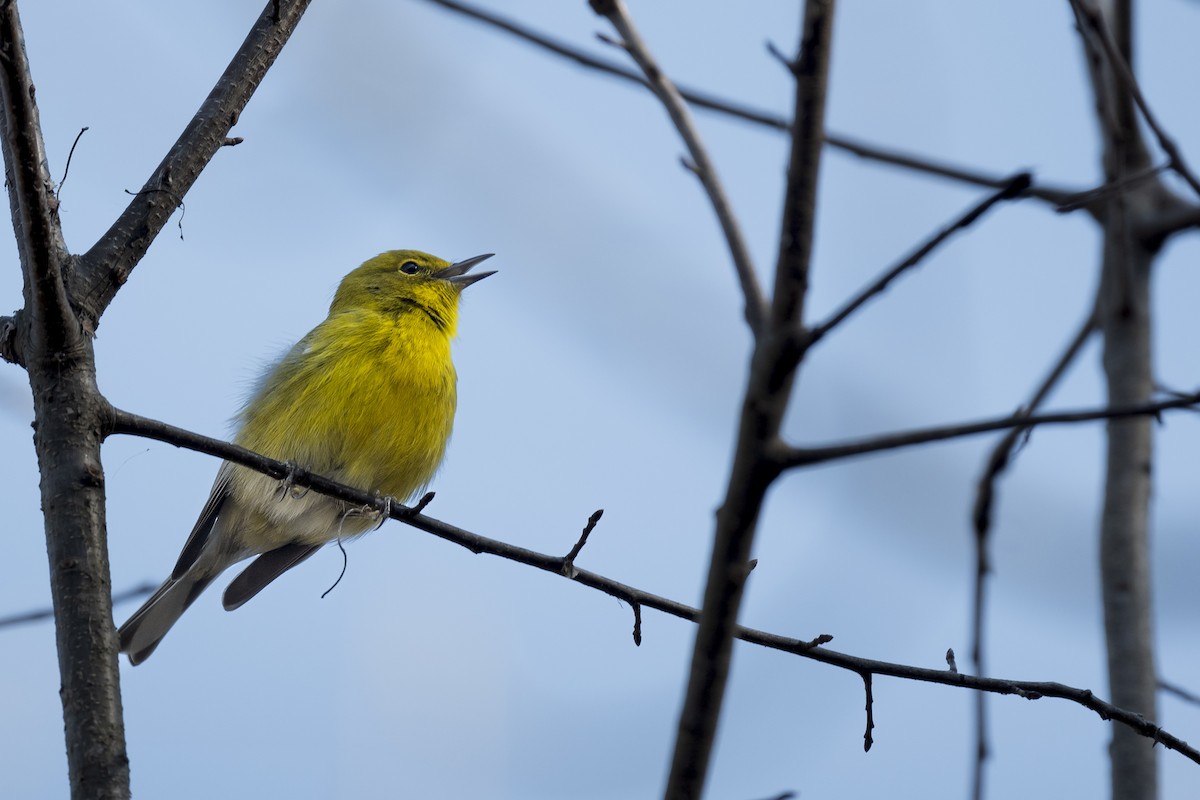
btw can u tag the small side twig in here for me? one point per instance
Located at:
(568, 565)
(868, 738)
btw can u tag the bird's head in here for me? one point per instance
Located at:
(408, 281)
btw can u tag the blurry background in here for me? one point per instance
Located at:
(602, 368)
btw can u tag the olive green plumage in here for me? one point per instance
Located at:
(367, 398)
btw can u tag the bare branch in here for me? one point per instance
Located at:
(999, 461)
(732, 108)
(1056, 196)
(569, 561)
(139, 591)
(62, 376)
(764, 405)
(1179, 691)
(1015, 187)
(701, 165)
(792, 457)
(31, 191)
(123, 422)
(868, 689)
(107, 265)
(1095, 21)
(1090, 197)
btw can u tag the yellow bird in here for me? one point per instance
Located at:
(367, 398)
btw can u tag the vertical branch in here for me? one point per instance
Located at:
(756, 461)
(68, 420)
(985, 496)
(1125, 322)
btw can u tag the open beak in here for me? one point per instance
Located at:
(457, 273)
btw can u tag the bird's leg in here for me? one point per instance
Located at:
(288, 487)
(385, 513)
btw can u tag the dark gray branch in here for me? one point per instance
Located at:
(998, 461)
(107, 265)
(732, 108)
(791, 457)
(62, 376)
(701, 164)
(1094, 21)
(122, 422)
(40, 614)
(1016, 186)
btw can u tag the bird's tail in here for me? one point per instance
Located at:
(150, 623)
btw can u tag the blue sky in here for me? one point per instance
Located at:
(602, 368)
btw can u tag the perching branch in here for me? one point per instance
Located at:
(107, 265)
(123, 422)
(701, 164)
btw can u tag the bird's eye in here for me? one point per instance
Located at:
(409, 268)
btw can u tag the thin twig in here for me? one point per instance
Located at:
(1125, 75)
(702, 166)
(107, 265)
(1055, 196)
(141, 590)
(1091, 197)
(124, 422)
(792, 457)
(732, 108)
(569, 562)
(1015, 187)
(1179, 691)
(998, 461)
(868, 739)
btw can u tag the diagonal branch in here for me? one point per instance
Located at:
(123, 422)
(25, 617)
(1120, 68)
(791, 457)
(31, 190)
(107, 265)
(998, 461)
(1015, 187)
(1052, 195)
(701, 164)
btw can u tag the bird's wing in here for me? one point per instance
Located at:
(264, 569)
(204, 525)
